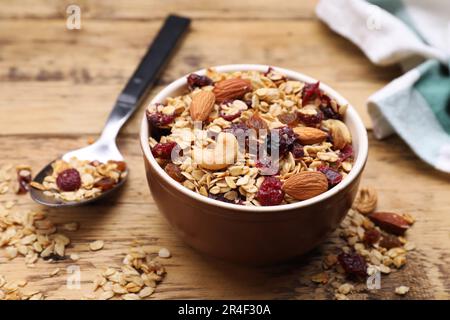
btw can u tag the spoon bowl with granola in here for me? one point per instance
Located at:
(250, 163)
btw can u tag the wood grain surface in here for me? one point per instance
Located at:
(57, 87)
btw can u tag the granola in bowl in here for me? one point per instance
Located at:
(251, 138)
(77, 180)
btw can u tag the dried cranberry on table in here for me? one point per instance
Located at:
(353, 264)
(23, 179)
(270, 193)
(163, 150)
(69, 180)
(333, 176)
(105, 183)
(310, 92)
(197, 81)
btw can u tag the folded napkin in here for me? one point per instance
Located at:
(415, 34)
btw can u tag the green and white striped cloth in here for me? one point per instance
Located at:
(415, 34)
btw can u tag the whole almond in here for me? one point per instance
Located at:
(306, 184)
(339, 132)
(201, 106)
(231, 89)
(308, 135)
(390, 222)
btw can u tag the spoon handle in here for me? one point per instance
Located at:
(146, 74)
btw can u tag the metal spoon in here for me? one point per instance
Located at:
(105, 147)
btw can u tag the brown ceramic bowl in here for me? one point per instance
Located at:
(254, 235)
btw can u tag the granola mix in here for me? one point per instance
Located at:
(252, 138)
(81, 179)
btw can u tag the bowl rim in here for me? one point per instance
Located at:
(351, 116)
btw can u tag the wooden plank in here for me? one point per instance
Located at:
(134, 216)
(69, 79)
(154, 9)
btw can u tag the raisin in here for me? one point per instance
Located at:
(329, 113)
(163, 150)
(174, 172)
(105, 183)
(353, 264)
(310, 120)
(289, 119)
(121, 165)
(297, 150)
(197, 81)
(256, 122)
(333, 176)
(23, 179)
(270, 193)
(371, 236)
(389, 241)
(310, 92)
(69, 180)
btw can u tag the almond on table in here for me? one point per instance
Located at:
(251, 138)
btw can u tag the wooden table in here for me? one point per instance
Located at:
(57, 87)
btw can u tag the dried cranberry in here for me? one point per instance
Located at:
(197, 81)
(286, 138)
(389, 241)
(310, 92)
(69, 180)
(371, 236)
(297, 150)
(23, 179)
(174, 172)
(159, 119)
(105, 183)
(163, 150)
(310, 120)
(353, 264)
(346, 153)
(270, 193)
(333, 176)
